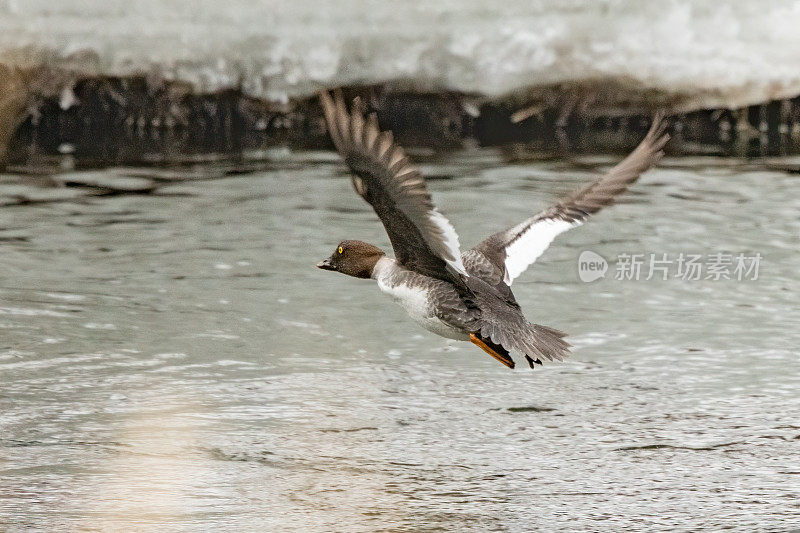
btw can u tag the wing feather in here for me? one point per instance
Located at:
(515, 249)
(422, 238)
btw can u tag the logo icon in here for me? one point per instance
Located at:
(591, 266)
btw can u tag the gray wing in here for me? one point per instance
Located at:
(423, 240)
(515, 249)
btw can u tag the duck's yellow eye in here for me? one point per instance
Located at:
(340, 249)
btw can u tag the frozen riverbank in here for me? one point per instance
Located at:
(157, 82)
(709, 54)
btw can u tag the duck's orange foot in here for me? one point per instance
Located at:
(495, 350)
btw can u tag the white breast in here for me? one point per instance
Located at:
(416, 302)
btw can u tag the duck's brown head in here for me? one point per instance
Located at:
(354, 258)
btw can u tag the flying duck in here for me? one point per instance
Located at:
(459, 295)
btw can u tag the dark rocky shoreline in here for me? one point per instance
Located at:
(103, 121)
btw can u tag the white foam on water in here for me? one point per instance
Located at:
(23, 311)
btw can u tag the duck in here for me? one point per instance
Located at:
(462, 295)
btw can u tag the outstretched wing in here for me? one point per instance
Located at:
(515, 249)
(422, 238)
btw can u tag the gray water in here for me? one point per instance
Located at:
(174, 362)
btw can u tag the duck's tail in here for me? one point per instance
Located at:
(498, 336)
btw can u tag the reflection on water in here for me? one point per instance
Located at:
(175, 362)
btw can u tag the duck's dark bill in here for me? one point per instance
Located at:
(326, 265)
